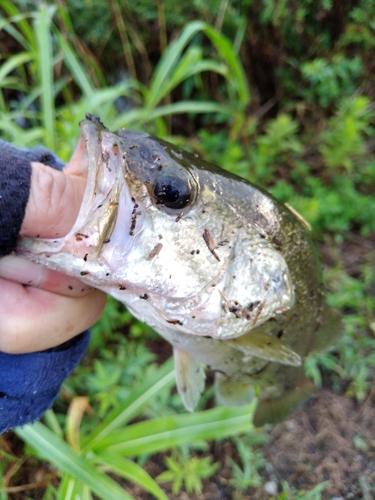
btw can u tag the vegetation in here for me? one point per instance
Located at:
(279, 92)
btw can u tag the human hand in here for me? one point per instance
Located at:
(40, 308)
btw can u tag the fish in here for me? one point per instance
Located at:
(222, 270)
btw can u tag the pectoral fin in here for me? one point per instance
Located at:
(190, 377)
(266, 347)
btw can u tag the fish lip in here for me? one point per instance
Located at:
(91, 131)
(105, 182)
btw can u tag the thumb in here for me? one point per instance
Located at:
(54, 202)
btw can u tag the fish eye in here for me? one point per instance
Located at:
(172, 192)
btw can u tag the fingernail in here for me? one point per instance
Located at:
(21, 270)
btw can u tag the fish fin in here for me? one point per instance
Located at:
(330, 331)
(275, 410)
(230, 392)
(266, 347)
(190, 377)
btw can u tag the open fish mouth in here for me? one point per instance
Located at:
(106, 198)
(105, 187)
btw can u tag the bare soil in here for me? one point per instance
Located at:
(330, 439)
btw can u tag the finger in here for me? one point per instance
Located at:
(79, 162)
(54, 202)
(28, 273)
(34, 320)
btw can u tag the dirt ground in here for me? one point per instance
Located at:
(330, 439)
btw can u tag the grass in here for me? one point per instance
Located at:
(118, 409)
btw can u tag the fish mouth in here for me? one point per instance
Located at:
(105, 182)
(106, 198)
(105, 190)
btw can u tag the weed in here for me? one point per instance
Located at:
(330, 80)
(344, 140)
(252, 461)
(110, 445)
(187, 472)
(353, 361)
(314, 494)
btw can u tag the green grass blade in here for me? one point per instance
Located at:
(76, 68)
(164, 72)
(62, 456)
(137, 118)
(131, 471)
(131, 119)
(68, 488)
(130, 407)
(169, 59)
(24, 35)
(18, 136)
(153, 436)
(6, 25)
(186, 69)
(12, 63)
(104, 98)
(236, 73)
(189, 64)
(42, 25)
(187, 107)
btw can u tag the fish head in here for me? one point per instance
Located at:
(163, 232)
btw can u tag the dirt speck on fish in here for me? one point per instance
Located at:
(205, 307)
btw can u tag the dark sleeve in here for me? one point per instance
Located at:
(29, 383)
(15, 172)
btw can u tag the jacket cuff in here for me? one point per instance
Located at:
(31, 382)
(15, 174)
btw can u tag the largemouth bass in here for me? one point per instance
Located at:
(218, 267)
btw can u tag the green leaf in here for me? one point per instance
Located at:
(62, 456)
(236, 73)
(131, 471)
(159, 434)
(172, 68)
(12, 63)
(69, 488)
(24, 35)
(188, 107)
(42, 26)
(131, 406)
(167, 62)
(78, 71)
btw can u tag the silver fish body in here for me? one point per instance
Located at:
(217, 266)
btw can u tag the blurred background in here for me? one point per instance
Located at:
(280, 92)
